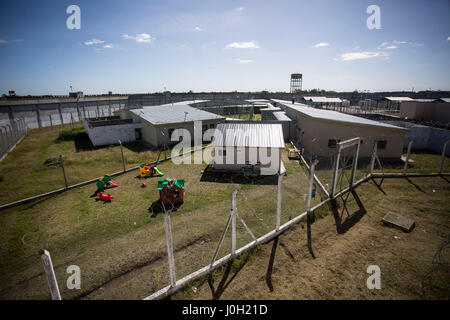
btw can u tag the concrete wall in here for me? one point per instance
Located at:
(107, 135)
(314, 134)
(425, 138)
(438, 112)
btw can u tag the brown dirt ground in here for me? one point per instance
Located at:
(339, 269)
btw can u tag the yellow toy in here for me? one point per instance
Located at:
(149, 170)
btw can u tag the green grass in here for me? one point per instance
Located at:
(119, 247)
(26, 174)
(110, 239)
(245, 116)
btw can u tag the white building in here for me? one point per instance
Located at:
(254, 147)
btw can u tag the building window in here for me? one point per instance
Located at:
(204, 127)
(381, 144)
(170, 132)
(222, 152)
(333, 142)
(211, 125)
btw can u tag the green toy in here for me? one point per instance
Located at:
(106, 182)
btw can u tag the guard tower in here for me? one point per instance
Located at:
(296, 82)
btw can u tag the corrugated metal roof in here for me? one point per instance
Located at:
(334, 115)
(323, 99)
(445, 99)
(173, 114)
(281, 116)
(424, 100)
(399, 99)
(269, 135)
(180, 103)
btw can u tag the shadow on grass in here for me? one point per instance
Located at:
(223, 284)
(238, 178)
(157, 207)
(343, 224)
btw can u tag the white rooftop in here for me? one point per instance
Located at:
(263, 135)
(399, 99)
(323, 99)
(177, 113)
(334, 115)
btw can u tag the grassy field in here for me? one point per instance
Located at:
(245, 116)
(413, 265)
(120, 246)
(24, 172)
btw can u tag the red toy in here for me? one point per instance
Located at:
(105, 197)
(143, 185)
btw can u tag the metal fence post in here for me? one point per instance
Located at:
(280, 178)
(169, 246)
(407, 156)
(441, 164)
(233, 222)
(355, 164)
(374, 154)
(123, 159)
(335, 173)
(63, 171)
(50, 274)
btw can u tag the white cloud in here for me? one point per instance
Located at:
(93, 41)
(110, 46)
(321, 44)
(3, 41)
(240, 9)
(448, 39)
(244, 61)
(141, 37)
(363, 55)
(199, 29)
(394, 44)
(243, 45)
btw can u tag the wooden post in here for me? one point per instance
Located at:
(169, 246)
(441, 164)
(63, 171)
(374, 155)
(123, 159)
(50, 117)
(233, 222)
(407, 156)
(355, 164)
(50, 274)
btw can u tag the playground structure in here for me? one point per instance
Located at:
(149, 170)
(105, 197)
(171, 191)
(106, 182)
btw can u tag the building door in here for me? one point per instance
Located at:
(138, 133)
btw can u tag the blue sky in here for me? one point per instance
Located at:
(209, 45)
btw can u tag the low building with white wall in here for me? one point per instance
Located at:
(109, 130)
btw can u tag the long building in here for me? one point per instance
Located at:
(153, 125)
(318, 131)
